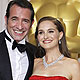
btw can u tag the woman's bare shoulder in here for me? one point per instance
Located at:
(75, 69)
(72, 61)
(73, 64)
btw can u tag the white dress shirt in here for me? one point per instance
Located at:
(19, 61)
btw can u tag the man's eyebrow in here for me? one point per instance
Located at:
(27, 20)
(13, 17)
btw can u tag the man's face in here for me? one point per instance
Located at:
(19, 22)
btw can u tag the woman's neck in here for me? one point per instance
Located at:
(52, 54)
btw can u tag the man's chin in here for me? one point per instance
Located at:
(18, 39)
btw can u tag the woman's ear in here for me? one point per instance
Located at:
(60, 35)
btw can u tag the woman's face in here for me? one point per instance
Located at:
(48, 35)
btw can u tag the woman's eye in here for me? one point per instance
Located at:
(40, 32)
(51, 31)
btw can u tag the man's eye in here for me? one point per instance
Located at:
(26, 21)
(13, 19)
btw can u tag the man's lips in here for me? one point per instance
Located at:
(19, 32)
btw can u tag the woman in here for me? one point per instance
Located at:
(55, 63)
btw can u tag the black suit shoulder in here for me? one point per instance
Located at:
(2, 36)
(32, 49)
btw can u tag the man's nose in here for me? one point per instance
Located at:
(19, 25)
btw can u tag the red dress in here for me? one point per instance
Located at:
(35, 77)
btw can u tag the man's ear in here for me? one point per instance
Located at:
(6, 20)
(60, 35)
(32, 23)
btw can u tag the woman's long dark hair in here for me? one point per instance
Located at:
(62, 47)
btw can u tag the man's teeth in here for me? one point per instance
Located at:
(18, 32)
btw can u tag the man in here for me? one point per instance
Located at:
(15, 63)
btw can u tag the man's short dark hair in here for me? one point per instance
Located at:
(21, 3)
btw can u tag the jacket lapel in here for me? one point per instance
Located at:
(31, 62)
(5, 66)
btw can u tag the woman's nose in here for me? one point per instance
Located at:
(45, 35)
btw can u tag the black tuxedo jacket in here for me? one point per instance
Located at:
(5, 65)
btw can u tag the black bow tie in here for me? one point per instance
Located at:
(21, 47)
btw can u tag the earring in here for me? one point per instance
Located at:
(59, 42)
(38, 44)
